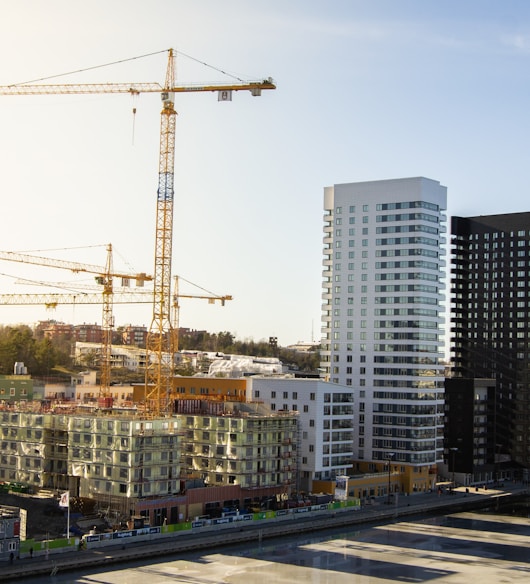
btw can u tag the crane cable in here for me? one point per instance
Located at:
(125, 61)
(210, 66)
(62, 248)
(197, 286)
(87, 69)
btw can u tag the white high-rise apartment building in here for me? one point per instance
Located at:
(383, 314)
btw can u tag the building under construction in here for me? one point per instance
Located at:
(132, 464)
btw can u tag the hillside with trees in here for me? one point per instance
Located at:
(45, 357)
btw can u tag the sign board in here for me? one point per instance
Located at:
(341, 488)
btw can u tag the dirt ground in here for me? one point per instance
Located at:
(44, 516)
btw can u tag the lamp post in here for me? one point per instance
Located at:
(453, 450)
(389, 458)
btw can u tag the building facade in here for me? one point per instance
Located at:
(121, 356)
(9, 532)
(326, 417)
(231, 443)
(470, 452)
(134, 335)
(383, 315)
(490, 286)
(15, 388)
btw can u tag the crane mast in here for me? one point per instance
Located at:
(107, 324)
(159, 356)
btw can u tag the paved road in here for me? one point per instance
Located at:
(257, 532)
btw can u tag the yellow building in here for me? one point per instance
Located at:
(209, 388)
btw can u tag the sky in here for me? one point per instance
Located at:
(366, 90)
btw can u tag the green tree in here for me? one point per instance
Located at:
(48, 355)
(16, 344)
(39, 355)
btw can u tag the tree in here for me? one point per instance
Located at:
(16, 344)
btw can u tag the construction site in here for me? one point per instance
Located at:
(158, 453)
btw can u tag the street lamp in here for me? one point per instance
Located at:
(453, 450)
(389, 457)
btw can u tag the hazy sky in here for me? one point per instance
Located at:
(367, 90)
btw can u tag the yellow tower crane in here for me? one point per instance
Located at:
(104, 278)
(159, 367)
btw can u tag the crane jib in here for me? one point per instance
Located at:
(131, 88)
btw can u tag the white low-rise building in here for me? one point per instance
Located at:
(241, 365)
(326, 418)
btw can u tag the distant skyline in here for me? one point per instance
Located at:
(367, 90)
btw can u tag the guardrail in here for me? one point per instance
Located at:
(205, 525)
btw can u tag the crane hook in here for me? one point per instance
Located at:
(134, 123)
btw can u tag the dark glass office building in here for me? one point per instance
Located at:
(490, 320)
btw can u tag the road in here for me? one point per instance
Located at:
(176, 547)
